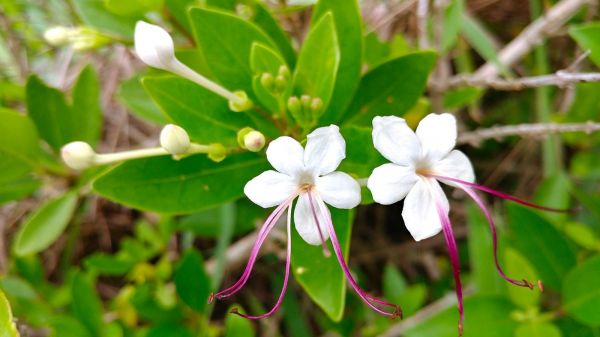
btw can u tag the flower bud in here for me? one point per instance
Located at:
(267, 81)
(78, 155)
(284, 71)
(217, 153)
(153, 45)
(316, 104)
(243, 104)
(242, 134)
(281, 83)
(174, 139)
(254, 141)
(294, 105)
(57, 36)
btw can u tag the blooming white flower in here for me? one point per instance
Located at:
(155, 47)
(309, 175)
(419, 161)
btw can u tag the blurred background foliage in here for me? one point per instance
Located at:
(107, 254)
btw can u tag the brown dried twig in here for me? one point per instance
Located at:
(561, 78)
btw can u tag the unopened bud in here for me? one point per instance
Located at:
(78, 155)
(254, 141)
(316, 104)
(217, 153)
(294, 105)
(57, 36)
(305, 100)
(267, 81)
(242, 134)
(284, 71)
(243, 103)
(174, 139)
(281, 83)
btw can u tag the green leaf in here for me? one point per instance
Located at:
(452, 23)
(265, 60)
(518, 267)
(481, 313)
(7, 324)
(132, 7)
(236, 326)
(135, 98)
(64, 325)
(583, 235)
(87, 114)
(113, 265)
(481, 40)
(390, 89)
(192, 282)
(544, 246)
(95, 14)
(265, 20)
(309, 266)
(462, 97)
(204, 115)
(86, 304)
(226, 40)
(45, 225)
(348, 26)
(581, 292)
(19, 149)
(179, 10)
(18, 189)
(192, 184)
(587, 37)
(318, 61)
(538, 329)
(396, 290)
(553, 191)
(360, 160)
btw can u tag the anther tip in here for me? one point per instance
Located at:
(460, 328)
(540, 285)
(211, 298)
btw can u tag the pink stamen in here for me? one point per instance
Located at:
(488, 215)
(368, 299)
(498, 194)
(261, 237)
(453, 252)
(326, 252)
(285, 279)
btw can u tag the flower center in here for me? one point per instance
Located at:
(306, 181)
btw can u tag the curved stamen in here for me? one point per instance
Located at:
(368, 299)
(326, 252)
(499, 194)
(453, 252)
(261, 237)
(488, 215)
(285, 279)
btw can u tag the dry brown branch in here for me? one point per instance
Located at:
(533, 34)
(401, 9)
(560, 79)
(422, 13)
(526, 130)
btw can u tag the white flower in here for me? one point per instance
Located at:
(416, 158)
(303, 171)
(78, 155)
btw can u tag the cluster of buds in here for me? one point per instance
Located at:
(276, 84)
(80, 38)
(174, 141)
(305, 109)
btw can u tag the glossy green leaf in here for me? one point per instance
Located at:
(318, 61)
(179, 10)
(113, 265)
(462, 97)
(310, 265)
(269, 24)
(236, 326)
(204, 115)
(583, 235)
(481, 313)
(481, 40)
(452, 24)
(95, 14)
(7, 324)
(553, 191)
(390, 89)
(517, 267)
(19, 149)
(85, 303)
(192, 184)
(537, 330)
(588, 38)
(132, 7)
(226, 40)
(65, 325)
(135, 98)
(45, 225)
(395, 289)
(18, 188)
(348, 26)
(192, 282)
(87, 114)
(545, 248)
(581, 292)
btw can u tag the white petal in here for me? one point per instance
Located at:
(325, 149)
(455, 165)
(153, 45)
(420, 214)
(437, 134)
(286, 155)
(270, 188)
(395, 140)
(389, 183)
(339, 190)
(304, 220)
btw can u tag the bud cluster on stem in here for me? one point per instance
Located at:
(305, 109)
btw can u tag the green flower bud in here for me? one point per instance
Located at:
(316, 104)
(243, 104)
(78, 155)
(241, 134)
(217, 153)
(294, 105)
(281, 83)
(267, 81)
(284, 71)
(174, 139)
(305, 100)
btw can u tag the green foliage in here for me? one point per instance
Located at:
(7, 325)
(193, 285)
(581, 291)
(588, 38)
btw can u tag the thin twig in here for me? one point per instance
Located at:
(531, 35)
(526, 130)
(422, 12)
(403, 7)
(560, 79)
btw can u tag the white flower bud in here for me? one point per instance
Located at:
(254, 141)
(242, 103)
(154, 46)
(78, 155)
(174, 139)
(57, 36)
